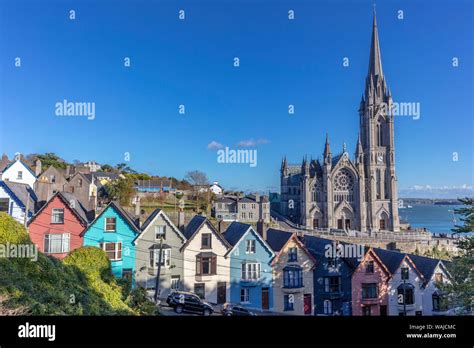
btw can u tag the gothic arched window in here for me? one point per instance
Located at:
(344, 186)
(379, 134)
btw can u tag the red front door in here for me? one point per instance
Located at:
(307, 304)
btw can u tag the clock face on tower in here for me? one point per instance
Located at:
(379, 159)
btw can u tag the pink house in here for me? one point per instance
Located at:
(370, 286)
(56, 228)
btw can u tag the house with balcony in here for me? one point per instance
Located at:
(251, 272)
(159, 233)
(206, 269)
(370, 286)
(293, 266)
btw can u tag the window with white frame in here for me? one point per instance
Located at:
(57, 216)
(165, 257)
(110, 224)
(250, 246)
(160, 231)
(244, 295)
(19, 175)
(251, 271)
(113, 250)
(175, 282)
(57, 243)
(327, 307)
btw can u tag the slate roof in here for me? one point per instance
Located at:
(193, 225)
(77, 207)
(426, 265)
(276, 239)
(225, 200)
(19, 193)
(150, 218)
(390, 258)
(235, 231)
(111, 176)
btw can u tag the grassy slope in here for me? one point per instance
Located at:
(52, 287)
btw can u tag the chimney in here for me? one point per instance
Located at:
(181, 220)
(137, 206)
(257, 197)
(220, 226)
(38, 167)
(262, 228)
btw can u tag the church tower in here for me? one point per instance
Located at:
(377, 146)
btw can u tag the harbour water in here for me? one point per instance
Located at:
(435, 218)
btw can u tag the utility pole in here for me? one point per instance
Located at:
(157, 284)
(27, 209)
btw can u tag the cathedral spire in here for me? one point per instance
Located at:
(375, 58)
(359, 150)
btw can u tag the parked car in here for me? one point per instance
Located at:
(229, 309)
(188, 302)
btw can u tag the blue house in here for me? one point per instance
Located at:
(114, 231)
(332, 275)
(250, 267)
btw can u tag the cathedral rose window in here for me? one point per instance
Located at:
(344, 181)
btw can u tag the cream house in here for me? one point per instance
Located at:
(292, 274)
(206, 270)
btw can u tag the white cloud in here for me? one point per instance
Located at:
(214, 145)
(252, 142)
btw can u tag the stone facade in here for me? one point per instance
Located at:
(344, 193)
(251, 208)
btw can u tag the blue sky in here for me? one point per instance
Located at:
(190, 62)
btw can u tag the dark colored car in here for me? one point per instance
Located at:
(230, 309)
(188, 302)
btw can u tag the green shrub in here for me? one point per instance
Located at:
(11, 231)
(140, 303)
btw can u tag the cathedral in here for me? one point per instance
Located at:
(347, 193)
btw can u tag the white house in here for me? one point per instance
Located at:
(216, 188)
(15, 198)
(434, 272)
(206, 270)
(19, 172)
(406, 289)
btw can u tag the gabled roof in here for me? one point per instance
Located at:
(426, 265)
(195, 225)
(237, 230)
(276, 239)
(77, 208)
(225, 199)
(24, 165)
(317, 247)
(19, 193)
(302, 246)
(124, 214)
(152, 217)
(390, 258)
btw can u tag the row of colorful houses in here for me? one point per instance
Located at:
(268, 270)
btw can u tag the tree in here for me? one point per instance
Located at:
(49, 159)
(123, 168)
(468, 216)
(121, 190)
(459, 293)
(107, 168)
(196, 177)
